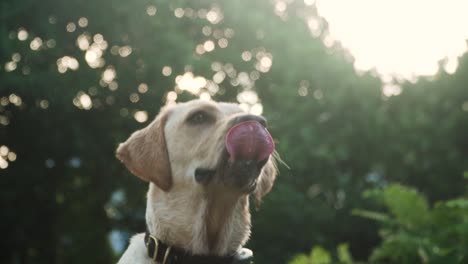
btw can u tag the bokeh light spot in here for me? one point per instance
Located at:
(223, 43)
(229, 32)
(318, 94)
(246, 55)
(22, 34)
(4, 150)
(265, 61)
(16, 57)
(109, 75)
(71, 27)
(4, 120)
(83, 101)
(52, 20)
(51, 43)
(125, 51)
(151, 10)
(5, 156)
(212, 16)
(67, 62)
(98, 38)
(179, 12)
(83, 22)
(141, 116)
(36, 43)
(209, 45)
(44, 104)
(134, 98)
(4, 101)
(206, 30)
(113, 85)
(199, 49)
(303, 91)
(166, 70)
(142, 88)
(219, 77)
(3, 163)
(11, 156)
(10, 66)
(50, 163)
(248, 97)
(83, 42)
(190, 83)
(15, 99)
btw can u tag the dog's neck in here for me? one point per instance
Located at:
(209, 221)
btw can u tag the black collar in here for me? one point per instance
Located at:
(165, 254)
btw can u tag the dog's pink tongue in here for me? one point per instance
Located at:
(249, 140)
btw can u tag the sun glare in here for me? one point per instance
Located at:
(402, 38)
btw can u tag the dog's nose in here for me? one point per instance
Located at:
(244, 118)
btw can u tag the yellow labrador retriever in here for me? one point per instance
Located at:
(203, 159)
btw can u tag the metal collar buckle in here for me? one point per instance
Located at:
(154, 240)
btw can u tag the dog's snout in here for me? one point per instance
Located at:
(244, 118)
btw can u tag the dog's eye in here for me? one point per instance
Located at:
(199, 117)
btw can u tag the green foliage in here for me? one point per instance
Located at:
(411, 231)
(406, 205)
(414, 233)
(344, 256)
(319, 255)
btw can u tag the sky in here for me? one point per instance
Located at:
(403, 38)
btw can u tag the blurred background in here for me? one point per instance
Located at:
(367, 100)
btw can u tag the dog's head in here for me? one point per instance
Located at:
(201, 144)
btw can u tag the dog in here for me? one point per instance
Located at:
(203, 160)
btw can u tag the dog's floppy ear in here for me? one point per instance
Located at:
(145, 154)
(265, 181)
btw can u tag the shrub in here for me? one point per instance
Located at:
(414, 232)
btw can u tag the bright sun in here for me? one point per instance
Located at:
(402, 38)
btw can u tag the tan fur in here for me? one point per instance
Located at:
(142, 149)
(211, 219)
(265, 182)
